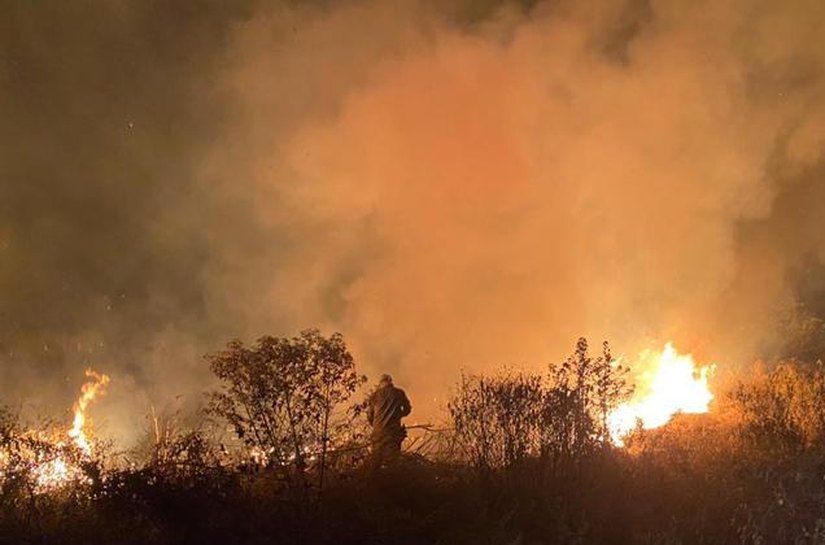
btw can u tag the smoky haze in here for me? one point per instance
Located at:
(452, 185)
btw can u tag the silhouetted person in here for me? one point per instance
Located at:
(386, 407)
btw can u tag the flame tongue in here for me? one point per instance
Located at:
(53, 470)
(88, 393)
(670, 383)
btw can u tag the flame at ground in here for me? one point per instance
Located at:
(58, 469)
(669, 383)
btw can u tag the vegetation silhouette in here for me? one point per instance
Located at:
(523, 458)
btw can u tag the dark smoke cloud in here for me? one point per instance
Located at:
(107, 108)
(450, 184)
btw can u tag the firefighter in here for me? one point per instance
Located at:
(385, 408)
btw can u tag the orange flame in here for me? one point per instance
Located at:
(669, 383)
(88, 393)
(56, 472)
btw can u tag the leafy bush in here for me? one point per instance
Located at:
(284, 396)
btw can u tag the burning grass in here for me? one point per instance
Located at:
(526, 459)
(667, 383)
(48, 459)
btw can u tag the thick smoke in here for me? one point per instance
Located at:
(451, 185)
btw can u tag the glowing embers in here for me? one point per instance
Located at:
(667, 383)
(53, 472)
(52, 462)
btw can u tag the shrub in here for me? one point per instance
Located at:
(504, 419)
(498, 420)
(583, 391)
(784, 409)
(283, 396)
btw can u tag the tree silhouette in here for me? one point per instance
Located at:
(282, 396)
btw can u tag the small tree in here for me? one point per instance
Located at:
(583, 392)
(282, 396)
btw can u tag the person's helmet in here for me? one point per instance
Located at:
(385, 379)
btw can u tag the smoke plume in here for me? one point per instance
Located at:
(452, 185)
